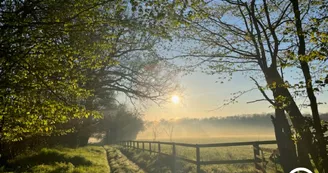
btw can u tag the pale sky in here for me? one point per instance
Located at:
(202, 94)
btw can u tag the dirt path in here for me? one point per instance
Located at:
(118, 163)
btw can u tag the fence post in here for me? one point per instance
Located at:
(174, 158)
(263, 161)
(138, 144)
(143, 146)
(198, 158)
(150, 147)
(257, 159)
(159, 148)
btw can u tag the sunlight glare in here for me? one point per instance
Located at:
(175, 99)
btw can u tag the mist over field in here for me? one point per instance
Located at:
(232, 128)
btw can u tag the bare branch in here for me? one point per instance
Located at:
(258, 100)
(233, 99)
(263, 93)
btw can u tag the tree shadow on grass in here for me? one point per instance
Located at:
(47, 157)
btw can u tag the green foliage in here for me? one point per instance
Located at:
(47, 48)
(58, 55)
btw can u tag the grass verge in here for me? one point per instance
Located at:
(61, 160)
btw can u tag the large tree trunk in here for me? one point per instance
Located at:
(319, 134)
(85, 131)
(288, 156)
(273, 78)
(83, 140)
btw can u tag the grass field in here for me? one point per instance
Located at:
(151, 162)
(61, 160)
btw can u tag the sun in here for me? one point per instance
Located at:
(175, 99)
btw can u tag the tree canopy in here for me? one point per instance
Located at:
(56, 55)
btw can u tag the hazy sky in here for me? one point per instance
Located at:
(202, 94)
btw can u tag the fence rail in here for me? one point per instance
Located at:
(258, 158)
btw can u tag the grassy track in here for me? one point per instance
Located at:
(62, 160)
(151, 162)
(119, 163)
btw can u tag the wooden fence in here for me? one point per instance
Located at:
(258, 158)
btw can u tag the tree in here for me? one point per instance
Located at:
(41, 65)
(119, 124)
(50, 49)
(239, 36)
(302, 53)
(139, 73)
(168, 127)
(155, 129)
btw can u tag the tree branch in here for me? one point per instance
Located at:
(263, 93)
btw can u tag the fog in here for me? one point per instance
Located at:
(257, 127)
